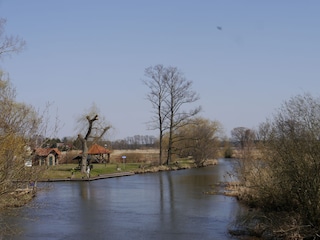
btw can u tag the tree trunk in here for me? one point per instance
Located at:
(84, 143)
(170, 144)
(84, 153)
(160, 148)
(169, 153)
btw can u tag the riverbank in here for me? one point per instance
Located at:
(255, 223)
(103, 176)
(68, 172)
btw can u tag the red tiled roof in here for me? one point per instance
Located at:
(97, 149)
(43, 152)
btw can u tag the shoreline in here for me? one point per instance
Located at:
(142, 170)
(103, 176)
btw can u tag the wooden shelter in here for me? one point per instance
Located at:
(101, 153)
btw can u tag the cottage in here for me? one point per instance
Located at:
(46, 156)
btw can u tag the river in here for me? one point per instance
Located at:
(165, 205)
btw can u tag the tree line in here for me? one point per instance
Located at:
(72, 143)
(135, 142)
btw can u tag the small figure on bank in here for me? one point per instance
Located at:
(88, 171)
(72, 172)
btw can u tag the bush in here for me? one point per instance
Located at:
(287, 178)
(228, 152)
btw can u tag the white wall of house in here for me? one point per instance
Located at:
(50, 160)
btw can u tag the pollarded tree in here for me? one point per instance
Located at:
(95, 130)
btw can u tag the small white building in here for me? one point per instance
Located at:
(46, 156)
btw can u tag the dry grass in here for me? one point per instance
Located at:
(136, 155)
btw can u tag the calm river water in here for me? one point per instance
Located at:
(165, 205)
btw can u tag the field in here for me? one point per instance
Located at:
(136, 155)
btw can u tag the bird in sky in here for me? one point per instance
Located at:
(219, 28)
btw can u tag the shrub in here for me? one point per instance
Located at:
(228, 152)
(287, 178)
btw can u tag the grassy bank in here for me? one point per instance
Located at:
(65, 171)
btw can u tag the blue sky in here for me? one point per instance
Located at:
(83, 52)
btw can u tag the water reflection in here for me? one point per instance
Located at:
(166, 205)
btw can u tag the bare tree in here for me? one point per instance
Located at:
(18, 123)
(180, 93)
(158, 94)
(245, 138)
(96, 129)
(9, 44)
(169, 92)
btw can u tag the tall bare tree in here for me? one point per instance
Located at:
(169, 92)
(180, 93)
(157, 95)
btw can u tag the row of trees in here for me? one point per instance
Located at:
(70, 143)
(135, 142)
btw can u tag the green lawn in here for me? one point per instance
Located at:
(65, 170)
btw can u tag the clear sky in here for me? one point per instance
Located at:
(244, 57)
